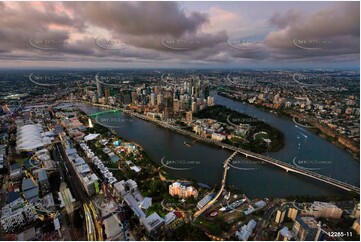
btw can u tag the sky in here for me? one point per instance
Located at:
(186, 35)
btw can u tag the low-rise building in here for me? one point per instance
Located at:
(284, 235)
(30, 190)
(17, 214)
(153, 223)
(246, 230)
(218, 137)
(324, 210)
(203, 202)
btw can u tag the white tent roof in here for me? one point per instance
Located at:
(29, 137)
(91, 137)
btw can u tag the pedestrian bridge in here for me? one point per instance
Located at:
(105, 112)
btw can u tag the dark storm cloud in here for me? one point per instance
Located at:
(72, 30)
(281, 21)
(19, 25)
(336, 28)
(140, 18)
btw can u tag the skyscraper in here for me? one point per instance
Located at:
(306, 228)
(280, 215)
(176, 105)
(99, 89)
(152, 99)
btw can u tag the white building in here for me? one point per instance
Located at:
(218, 137)
(324, 210)
(246, 230)
(17, 214)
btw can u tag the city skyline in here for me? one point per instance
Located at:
(198, 35)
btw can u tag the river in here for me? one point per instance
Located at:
(204, 163)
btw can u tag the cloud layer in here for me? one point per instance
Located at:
(168, 34)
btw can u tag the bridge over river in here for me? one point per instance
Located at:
(284, 165)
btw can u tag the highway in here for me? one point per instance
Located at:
(90, 228)
(286, 166)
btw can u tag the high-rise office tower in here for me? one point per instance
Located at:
(175, 105)
(107, 92)
(159, 98)
(99, 89)
(152, 99)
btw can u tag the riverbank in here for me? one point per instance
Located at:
(160, 142)
(244, 130)
(317, 131)
(281, 164)
(152, 178)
